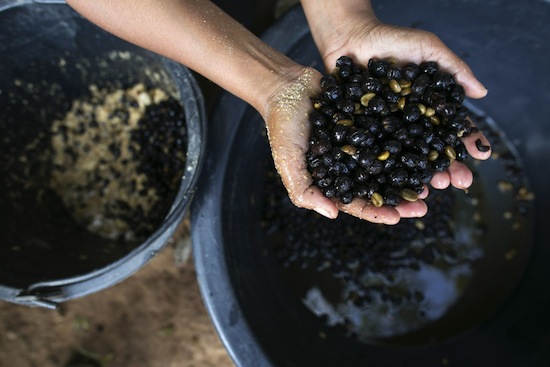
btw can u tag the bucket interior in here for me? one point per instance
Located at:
(50, 58)
(500, 316)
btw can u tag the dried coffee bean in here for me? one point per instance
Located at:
(377, 200)
(408, 194)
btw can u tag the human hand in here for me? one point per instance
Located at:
(362, 37)
(288, 131)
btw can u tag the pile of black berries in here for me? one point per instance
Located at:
(382, 132)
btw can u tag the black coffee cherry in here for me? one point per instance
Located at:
(319, 146)
(354, 91)
(429, 67)
(376, 104)
(441, 164)
(410, 160)
(333, 93)
(398, 177)
(366, 159)
(394, 73)
(461, 152)
(344, 61)
(442, 80)
(318, 119)
(375, 168)
(457, 94)
(378, 68)
(411, 71)
(328, 80)
(343, 184)
(372, 85)
(392, 146)
(481, 147)
(339, 134)
(420, 84)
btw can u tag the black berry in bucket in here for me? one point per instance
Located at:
(382, 131)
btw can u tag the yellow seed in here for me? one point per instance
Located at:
(365, 98)
(405, 91)
(401, 103)
(394, 85)
(349, 149)
(525, 195)
(405, 83)
(419, 225)
(433, 155)
(505, 186)
(450, 152)
(409, 195)
(377, 200)
(435, 120)
(358, 108)
(383, 156)
(345, 122)
(429, 112)
(422, 108)
(317, 105)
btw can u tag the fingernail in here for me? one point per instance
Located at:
(323, 212)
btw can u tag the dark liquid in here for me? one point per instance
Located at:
(424, 279)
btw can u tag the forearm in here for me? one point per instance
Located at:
(199, 35)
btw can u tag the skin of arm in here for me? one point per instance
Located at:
(202, 37)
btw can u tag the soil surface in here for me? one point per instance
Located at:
(154, 318)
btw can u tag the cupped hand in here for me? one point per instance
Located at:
(288, 131)
(363, 38)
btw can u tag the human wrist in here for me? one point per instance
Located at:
(331, 21)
